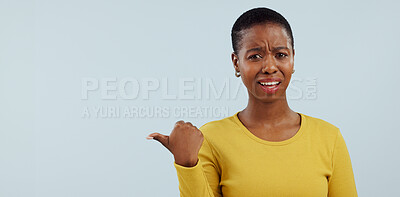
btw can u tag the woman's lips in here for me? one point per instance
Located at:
(269, 89)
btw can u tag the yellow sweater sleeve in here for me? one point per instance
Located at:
(201, 180)
(341, 182)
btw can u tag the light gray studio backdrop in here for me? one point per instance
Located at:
(83, 82)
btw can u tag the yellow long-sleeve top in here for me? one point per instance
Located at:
(235, 163)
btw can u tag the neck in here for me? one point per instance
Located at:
(267, 112)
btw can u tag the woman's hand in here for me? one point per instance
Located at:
(184, 143)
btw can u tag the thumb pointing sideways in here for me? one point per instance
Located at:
(163, 139)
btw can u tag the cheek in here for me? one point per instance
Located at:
(250, 68)
(287, 80)
(288, 75)
(249, 72)
(287, 68)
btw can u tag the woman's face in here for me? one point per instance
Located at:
(265, 61)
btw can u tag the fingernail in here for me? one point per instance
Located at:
(149, 138)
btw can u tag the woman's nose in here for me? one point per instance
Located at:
(269, 66)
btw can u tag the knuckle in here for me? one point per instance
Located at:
(179, 123)
(187, 125)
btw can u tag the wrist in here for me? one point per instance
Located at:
(186, 162)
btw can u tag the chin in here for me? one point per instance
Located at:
(270, 98)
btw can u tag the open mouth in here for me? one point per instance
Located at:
(270, 84)
(269, 87)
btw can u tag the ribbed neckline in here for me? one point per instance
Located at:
(303, 125)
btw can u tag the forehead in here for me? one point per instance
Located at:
(265, 35)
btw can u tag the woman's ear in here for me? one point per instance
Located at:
(235, 61)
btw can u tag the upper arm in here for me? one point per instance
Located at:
(210, 166)
(341, 182)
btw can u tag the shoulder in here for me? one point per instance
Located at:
(320, 123)
(218, 127)
(320, 128)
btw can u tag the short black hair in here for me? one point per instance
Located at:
(257, 16)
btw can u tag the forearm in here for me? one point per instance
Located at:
(193, 181)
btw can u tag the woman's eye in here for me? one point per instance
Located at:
(255, 57)
(281, 55)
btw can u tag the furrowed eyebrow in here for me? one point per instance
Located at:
(279, 48)
(260, 49)
(254, 49)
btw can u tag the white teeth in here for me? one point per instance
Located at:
(269, 83)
